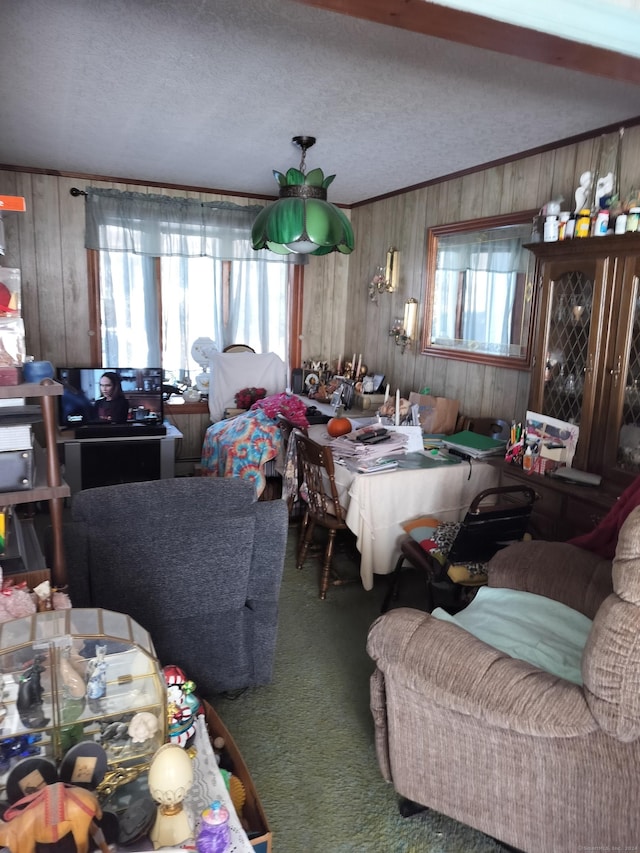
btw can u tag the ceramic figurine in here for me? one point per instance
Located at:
(604, 190)
(583, 191)
(183, 706)
(48, 815)
(72, 682)
(30, 692)
(142, 727)
(97, 678)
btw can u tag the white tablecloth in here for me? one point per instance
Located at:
(377, 504)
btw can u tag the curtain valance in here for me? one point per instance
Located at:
(157, 225)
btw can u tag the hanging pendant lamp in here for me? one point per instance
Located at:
(302, 221)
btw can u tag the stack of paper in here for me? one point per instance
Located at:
(17, 437)
(433, 440)
(474, 445)
(367, 458)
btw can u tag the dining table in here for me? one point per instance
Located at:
(377, 504)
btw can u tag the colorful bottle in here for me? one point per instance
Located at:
(214, 835)
(527, 459)
(633, 219)
(583, 223)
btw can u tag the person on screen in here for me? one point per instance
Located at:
(111, 406)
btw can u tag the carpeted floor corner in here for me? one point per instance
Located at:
(307, 738)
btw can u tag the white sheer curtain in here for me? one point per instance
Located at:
(476, 282)
(130, 310)
(247, 303)
(251, 308)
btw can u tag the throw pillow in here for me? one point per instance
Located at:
(437, 537)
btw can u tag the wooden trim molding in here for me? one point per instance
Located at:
(442, 22)
(93, 280)
(295, 315)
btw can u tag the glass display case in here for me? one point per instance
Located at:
(82, 690)
(587, 359)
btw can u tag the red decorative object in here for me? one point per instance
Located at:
(248, 396)
(285, 404)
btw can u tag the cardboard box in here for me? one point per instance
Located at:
(11, 375)
(253, 816)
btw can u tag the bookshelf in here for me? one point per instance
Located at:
(48, 484)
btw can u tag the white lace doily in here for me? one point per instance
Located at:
(208, 785)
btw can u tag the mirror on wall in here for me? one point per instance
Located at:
(479, 304)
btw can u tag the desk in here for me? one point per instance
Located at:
(377, 504)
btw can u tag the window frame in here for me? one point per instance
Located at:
(295, 284)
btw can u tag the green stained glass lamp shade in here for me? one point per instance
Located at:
(302, 221)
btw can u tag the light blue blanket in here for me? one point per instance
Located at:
(533, 628)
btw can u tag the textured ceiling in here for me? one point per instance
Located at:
(208, 93)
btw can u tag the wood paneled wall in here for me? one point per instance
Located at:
(47, 244)
(403, 220)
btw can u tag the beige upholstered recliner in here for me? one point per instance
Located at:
(538, 762)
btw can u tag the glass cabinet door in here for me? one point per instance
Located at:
(564, 380)
(620, 437)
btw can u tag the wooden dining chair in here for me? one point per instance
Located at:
(291, 471)
(238, 348)
(323, 507)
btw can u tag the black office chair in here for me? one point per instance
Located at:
(457, 552)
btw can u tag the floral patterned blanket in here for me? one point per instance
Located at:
(241, 446)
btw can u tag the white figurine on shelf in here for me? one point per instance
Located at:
(97, 674)
(604, 190)
(583, 191)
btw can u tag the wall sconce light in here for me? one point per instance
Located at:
(386, 278)
(404, 331)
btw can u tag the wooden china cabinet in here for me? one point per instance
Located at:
(586, 370)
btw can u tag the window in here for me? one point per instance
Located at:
(167, 271)
(153, 309)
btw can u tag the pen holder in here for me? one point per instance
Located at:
(515, 452)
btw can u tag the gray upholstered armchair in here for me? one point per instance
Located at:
(525, 756)
(196, 561)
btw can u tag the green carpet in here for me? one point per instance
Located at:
(307, 738)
